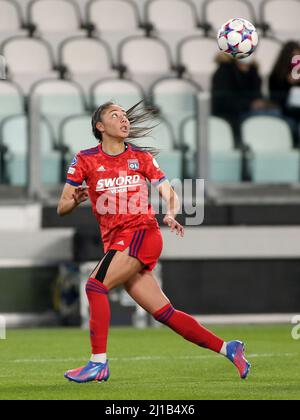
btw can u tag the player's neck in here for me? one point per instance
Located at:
(113, 147)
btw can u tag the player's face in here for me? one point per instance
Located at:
(115, 123)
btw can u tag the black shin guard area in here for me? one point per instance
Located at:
(100, 276)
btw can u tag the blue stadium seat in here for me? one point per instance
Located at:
(169, 158)
(11, 100)
(14, 133)
(271, 157)
(225, 163)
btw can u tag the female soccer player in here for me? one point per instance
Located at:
(116, 174)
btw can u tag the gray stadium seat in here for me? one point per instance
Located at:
(169, 158)
(11, 20)
(191, 53)
(146, 59)
(57, 100)
(225, 163)
(217, 12)
(113, 27)
(272, 158)
(173, 20)
(65, 20)
(125, 92)
(76, 134)
(87, 60)
(282, 18)
(11, 100)
(28, 60)
(14, 133)
(177, 100)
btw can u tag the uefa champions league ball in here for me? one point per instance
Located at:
(238, 38)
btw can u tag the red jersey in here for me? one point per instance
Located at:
(118, 188)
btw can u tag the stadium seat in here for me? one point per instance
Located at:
(11, 20)
(177, 100)
(145, 59)
(266, 54)
(57, 100)
(217, 12)
(65, 20)
(169, 158)
(23, 6)
(173, 20)
(82, 5)
(282, 18)
(28, 60)
(76, 134)
(271, 157)
(14, 133)
(87, 60)
(113, 27)
(11, 100)
(190, 51)
(125, 92)
(225, 163)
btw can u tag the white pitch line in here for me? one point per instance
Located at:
(150, 358)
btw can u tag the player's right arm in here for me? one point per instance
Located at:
(71, 198)
(73, 194)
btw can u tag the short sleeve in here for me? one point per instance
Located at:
(76, 172)
(153, 171)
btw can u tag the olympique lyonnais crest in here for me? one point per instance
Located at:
(133, 164)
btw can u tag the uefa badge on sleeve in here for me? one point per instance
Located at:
(133, 164)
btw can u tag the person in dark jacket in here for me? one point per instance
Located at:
(237, 91)
(282, 79)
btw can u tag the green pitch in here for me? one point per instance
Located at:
(150, 364)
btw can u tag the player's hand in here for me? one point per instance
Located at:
(174, 225)
(80, 195)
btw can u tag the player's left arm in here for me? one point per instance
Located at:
(173, 207)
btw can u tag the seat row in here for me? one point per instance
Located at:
(143, 59)
(275, 16)
(268, 150)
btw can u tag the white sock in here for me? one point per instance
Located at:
(224, 350)
(99, 358)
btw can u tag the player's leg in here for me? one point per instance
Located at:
(115, 269)
(145, 290)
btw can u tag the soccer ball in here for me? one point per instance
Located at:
(238, 38)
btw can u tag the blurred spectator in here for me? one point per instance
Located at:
(237, 91)
(283, 82)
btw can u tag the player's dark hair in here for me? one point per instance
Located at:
(283, 64)
(139, 116)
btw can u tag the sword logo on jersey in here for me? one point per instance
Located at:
(119, 184)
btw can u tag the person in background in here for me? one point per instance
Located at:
(237, 91)
(281, 82)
